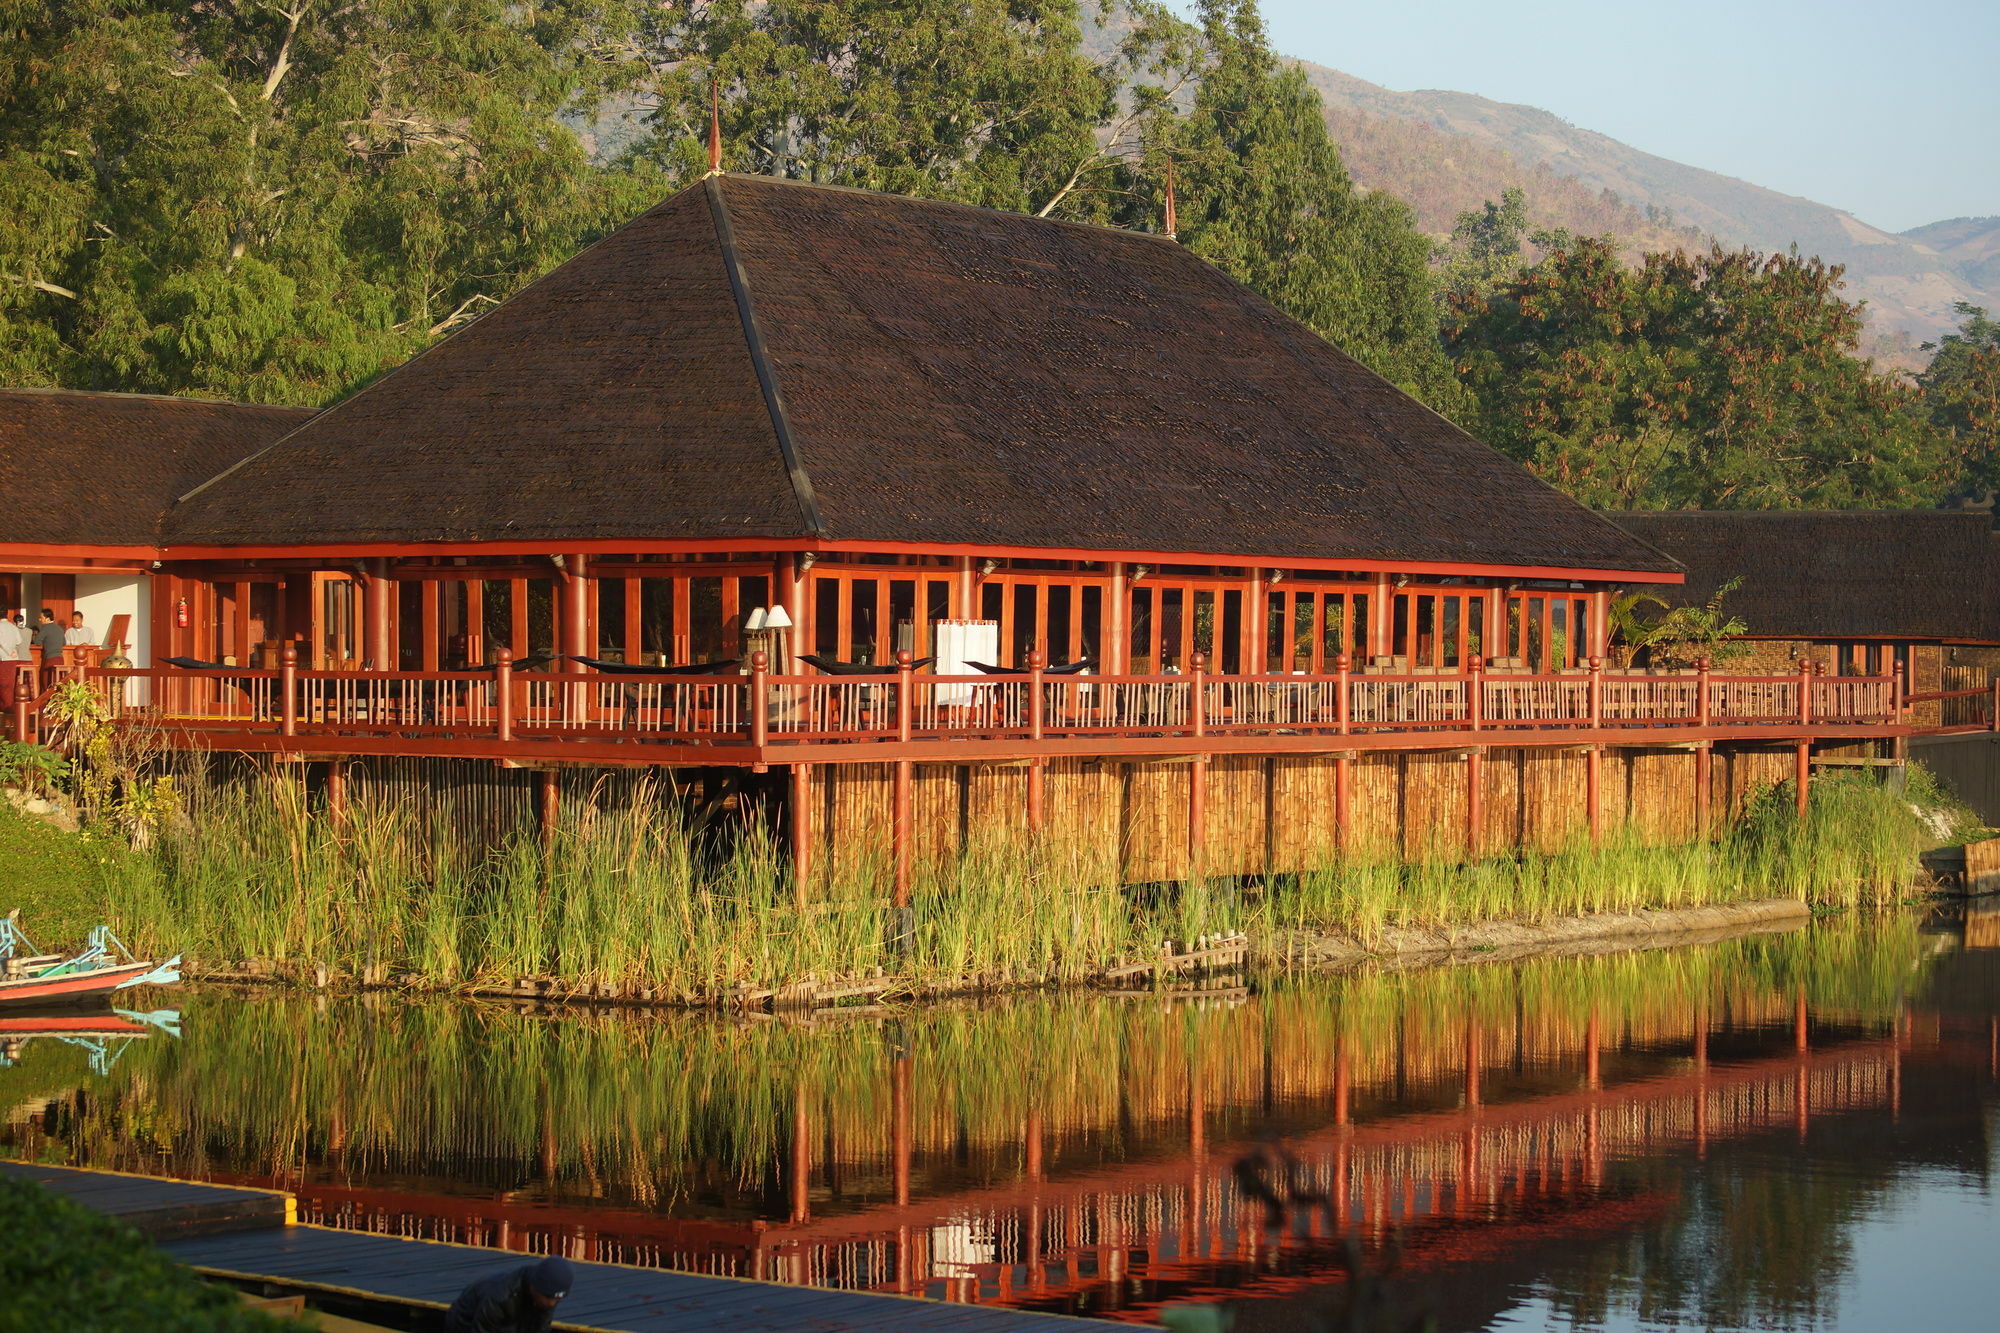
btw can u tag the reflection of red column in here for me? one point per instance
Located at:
(899, 1126)
(1701, 1083)
(1799, 1023)
(1472, 1065)
(1591, 1067)
(1594, 1163)
(1340, 1088)
(801, 1157)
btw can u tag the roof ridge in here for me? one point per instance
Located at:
(1094, 228)
(760, 362)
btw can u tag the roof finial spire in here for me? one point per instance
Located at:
(714, 126)
(1173, 227)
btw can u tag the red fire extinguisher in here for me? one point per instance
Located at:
(181, 613)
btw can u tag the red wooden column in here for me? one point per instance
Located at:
(1256, 616)
(336, 789)
(1593, 759)
(1475, 758)
(1198, 770)
(965, 588)
(1381, 613)
(575, 591)
(1599, 637)
(1114, 648)
(1802, 776)
(802, 834)
(900, 834)
(1037, 771)
(378, 626)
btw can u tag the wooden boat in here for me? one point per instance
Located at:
(101, 968)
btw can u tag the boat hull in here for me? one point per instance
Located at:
(71, 988)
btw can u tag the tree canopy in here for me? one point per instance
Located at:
(1727, 379)
(273, 201)
(1961, 388)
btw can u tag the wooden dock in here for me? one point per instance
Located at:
(248, 1235)
(162, 1210)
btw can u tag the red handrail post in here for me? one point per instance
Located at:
(1475, 692)
(1036, 719)
(288, 681)
(24, 693)
(1198, 692)
(1805, 691)
(1343, 702)
(760, 699)
(1702, 714)
(503, 685)
(1898, 686)
(1596, 692)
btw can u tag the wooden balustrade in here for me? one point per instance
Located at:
(765, 710)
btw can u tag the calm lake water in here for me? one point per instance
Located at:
(1783, 1132)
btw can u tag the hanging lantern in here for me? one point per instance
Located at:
(181, 613)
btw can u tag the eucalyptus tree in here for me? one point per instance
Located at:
(271, 200)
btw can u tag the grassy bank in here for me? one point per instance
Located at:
(63, 883)
(631, 898)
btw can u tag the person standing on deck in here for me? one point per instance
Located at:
(520, 1300)
(13, 654)
(78, 632)
(49, 638)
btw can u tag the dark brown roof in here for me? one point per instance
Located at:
(1908, 574)
(927, 373)
(97, 469)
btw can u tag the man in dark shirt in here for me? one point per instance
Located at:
(520, 1300)
(49, 638)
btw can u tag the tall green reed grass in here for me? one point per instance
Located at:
(631, 896)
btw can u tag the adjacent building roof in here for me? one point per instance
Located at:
(759, 358)
(1899, 574)
(97, 469)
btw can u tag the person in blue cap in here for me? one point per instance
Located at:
(520, 1300)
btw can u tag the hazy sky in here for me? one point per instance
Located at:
(1891, 112)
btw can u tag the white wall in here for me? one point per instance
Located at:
(104, 597)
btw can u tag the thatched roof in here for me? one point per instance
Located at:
(97, 469)
(757, 358)
(1897, 574)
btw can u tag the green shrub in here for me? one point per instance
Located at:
(61, 882)
(64, 1267)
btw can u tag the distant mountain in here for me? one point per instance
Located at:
(1972, 245)
(1909, 281)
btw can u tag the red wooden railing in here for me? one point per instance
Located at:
(761, 709)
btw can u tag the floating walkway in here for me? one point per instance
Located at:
(248, 1235)
(162, 1210)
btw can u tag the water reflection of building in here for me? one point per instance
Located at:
(1080, 1155)
(1509, 1149)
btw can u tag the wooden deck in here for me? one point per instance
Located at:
(164, 1210)
(760, 718)
(606, 1296)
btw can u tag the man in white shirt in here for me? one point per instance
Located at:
(13, 649)
(78, 632)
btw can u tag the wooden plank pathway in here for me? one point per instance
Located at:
(162, 1209)
(605, 1297)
